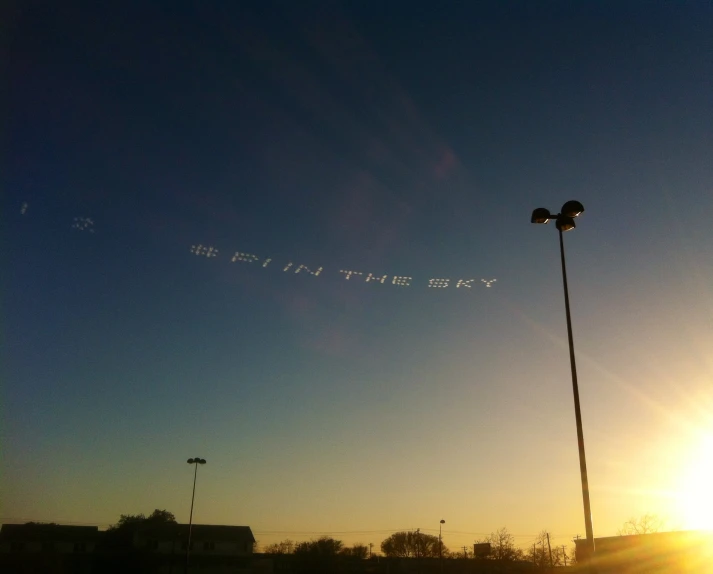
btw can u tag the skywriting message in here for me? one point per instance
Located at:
(292, 267)
(84, 224)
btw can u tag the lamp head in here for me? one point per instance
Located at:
(443, 521)
(565, 223)
(190, 461)
(200, 460)
(572, 209)
(540, 215)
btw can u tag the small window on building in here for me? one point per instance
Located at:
(80, 547)
(209, 546)
(152, 544)
(48, 547)
(17, 547)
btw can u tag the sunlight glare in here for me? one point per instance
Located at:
(696, 487)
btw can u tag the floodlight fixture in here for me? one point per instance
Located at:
(540, 215)
(572, 208)
(564, 223)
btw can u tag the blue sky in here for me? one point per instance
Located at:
(403, 140)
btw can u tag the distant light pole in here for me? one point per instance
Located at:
(564, 221)
(195, 461)
(440, 543)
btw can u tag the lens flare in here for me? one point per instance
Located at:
(695, 491)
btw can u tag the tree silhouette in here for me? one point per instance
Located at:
(502, 546)
(324, 546)
(538, 552)
(646, 524)
(116, 552)
(131, 521)
(318, 556)
(356, 551)
(286, 546)
(411, 544)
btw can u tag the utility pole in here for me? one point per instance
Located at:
(370, 545)
(564, 553)
(534, 554)
(549, 548)
(465, 551)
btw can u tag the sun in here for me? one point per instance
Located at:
(695, 488)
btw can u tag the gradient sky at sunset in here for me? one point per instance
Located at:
(400, 139)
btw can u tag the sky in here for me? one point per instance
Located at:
(294, 239)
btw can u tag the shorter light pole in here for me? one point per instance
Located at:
(440, 543)
(195, 461)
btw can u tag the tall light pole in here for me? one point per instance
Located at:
(564, 221)
(195, 461)
(440, 543)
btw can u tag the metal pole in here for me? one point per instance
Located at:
(190, 520)
(577, 412)
(440, 545)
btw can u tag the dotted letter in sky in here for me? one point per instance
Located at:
(350, 273)
(305, 268)
(372, 277)
(247, 257)
(405, 281)
(203, 250)
(438, 283)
